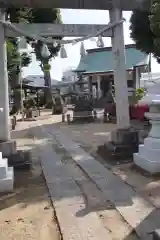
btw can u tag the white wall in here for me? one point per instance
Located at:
(38, 80)
(69, 75)
(148, 80)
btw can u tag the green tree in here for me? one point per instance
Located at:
(14, 58)
(155, 24)
(46, 15)
(30, 15)
(142, 34)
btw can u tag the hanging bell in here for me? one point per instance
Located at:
(55, 44)
(22, 43)
(74, 42)
(45, 53)
(100, 42)
(82, 50)
(63, 53)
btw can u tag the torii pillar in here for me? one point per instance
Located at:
(7, 146)
(4, 98)
(120, 76)
(124, 141)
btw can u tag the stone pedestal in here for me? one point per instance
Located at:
(8, 148)
(21, 160)
(124, 142)
(82, 115)
(6, 175)
(148, 157)
(17, 159)
(83, 110)
(156, 234)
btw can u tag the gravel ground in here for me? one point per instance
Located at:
(27, 213)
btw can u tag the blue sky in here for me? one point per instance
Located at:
(81, 17)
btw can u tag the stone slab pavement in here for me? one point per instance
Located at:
(90, 135)
(66, 195)
(133, 212)
(138, 212)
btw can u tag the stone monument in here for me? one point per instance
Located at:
(148, 157)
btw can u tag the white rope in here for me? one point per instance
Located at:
(53, 41)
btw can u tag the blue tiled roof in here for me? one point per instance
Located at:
(101, 59)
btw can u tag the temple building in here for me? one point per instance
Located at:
(97, 67)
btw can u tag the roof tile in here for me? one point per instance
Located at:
(101, 59)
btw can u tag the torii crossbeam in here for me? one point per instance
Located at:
(64, 30)
(125, 5)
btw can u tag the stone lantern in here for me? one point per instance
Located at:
(148, 157)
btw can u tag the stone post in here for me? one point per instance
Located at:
(99, 92)
(4, 98)
(90, 84)
(120, 81)
(137, 78)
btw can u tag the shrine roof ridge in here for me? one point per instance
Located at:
(109, 48)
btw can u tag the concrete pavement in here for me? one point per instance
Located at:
(89, 200)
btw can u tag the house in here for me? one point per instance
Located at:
(69, 75)
(149, 79)
(97, 66)
(37, 81)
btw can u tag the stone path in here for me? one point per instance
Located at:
(67, 198)
(90, 201)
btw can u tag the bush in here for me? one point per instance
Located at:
(140, 92)
(29, 103)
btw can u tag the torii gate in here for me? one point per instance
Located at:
(115, 8)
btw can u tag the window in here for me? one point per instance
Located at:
(130, 83)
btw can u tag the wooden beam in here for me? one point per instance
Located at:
(126, 5)
(64, 30)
